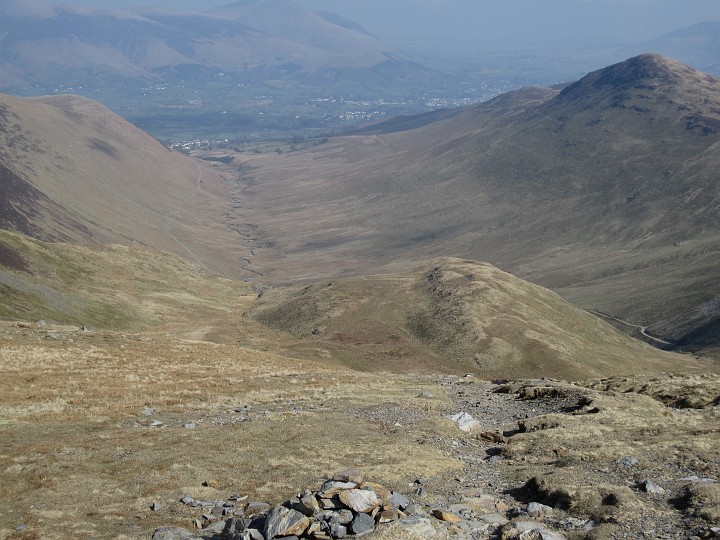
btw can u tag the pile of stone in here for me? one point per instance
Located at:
(345, 506)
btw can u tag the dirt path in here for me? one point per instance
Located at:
(642, 329)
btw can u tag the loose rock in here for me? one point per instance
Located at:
(340, 509)
(362, 524)
(360, 500)
(283, 521)
(466, 422)
(444, 515)
(628, 461)
(536, 510)
(172, 533)
(651, 487)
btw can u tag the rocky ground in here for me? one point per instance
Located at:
(619, 458)
(110, 435)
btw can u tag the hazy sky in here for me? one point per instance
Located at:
(447, 23)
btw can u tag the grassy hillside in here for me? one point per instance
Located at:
(460, 317)
(605, 192)
(453, 316)
(71, 170)
(114, 287)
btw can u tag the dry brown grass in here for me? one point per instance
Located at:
(573, 458)
(457, 316)
(79, 460)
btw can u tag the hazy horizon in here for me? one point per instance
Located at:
(464, 25)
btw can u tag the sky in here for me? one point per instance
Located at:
(445, 24)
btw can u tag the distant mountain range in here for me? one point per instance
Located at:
(47, 46)
(44, 44)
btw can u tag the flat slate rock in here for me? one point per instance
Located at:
(333, 487)
(349, 475)
(444, 515)
(414, 528)
(174, 533)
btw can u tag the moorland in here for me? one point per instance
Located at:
(239, 324)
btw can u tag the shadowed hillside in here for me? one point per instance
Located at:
(73, 171)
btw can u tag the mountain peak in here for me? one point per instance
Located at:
(643, 69)
(646, 72)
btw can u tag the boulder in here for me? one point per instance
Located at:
(536, 510)
(307, 504)
(466, 422)
(343, 517)
(651, 487)
(360, 500)
(399, 500)
(283, 521)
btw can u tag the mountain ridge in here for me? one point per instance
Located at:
(50, 45)
(467, 316)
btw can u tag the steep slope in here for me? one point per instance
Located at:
(73, 171)
(115, 287)
(606, 191)
(456, 316)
